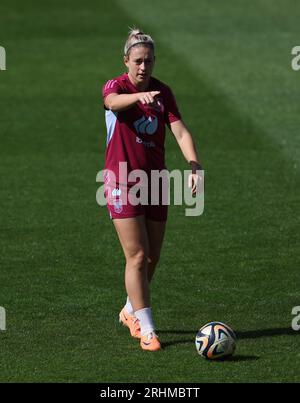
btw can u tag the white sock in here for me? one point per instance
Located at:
(146, 322)
(128, 307)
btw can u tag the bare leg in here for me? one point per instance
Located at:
(156, 232)
(133, 237)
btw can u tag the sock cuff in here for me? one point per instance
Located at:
(128, 307)
(143, 311)
(144, 315)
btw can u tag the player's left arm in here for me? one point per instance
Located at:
(189, 151)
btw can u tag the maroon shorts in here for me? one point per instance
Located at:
(120, 204)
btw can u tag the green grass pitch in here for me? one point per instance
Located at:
(61, 266)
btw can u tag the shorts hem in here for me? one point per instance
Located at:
(127, 216)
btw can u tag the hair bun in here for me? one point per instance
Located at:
(135, 31)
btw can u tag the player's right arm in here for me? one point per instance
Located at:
(120, 102)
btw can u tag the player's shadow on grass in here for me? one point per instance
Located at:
(247, 334)
(239, 358)
(254, 334)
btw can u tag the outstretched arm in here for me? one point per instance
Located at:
(121, 102)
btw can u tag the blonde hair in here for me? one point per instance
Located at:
(136, 37)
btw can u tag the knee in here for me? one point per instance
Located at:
(138, 259)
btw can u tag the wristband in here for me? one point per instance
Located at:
(195, 166)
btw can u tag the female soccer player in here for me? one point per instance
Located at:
(138, 106)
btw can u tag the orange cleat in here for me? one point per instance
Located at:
(150, 342)
(131, 322)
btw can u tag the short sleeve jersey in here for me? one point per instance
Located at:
(137, 135)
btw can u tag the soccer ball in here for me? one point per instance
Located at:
(215, 340)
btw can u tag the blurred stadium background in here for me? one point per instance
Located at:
(61, 267)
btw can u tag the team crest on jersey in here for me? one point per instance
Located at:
(146, 125)
(158, 106)
(116, 192)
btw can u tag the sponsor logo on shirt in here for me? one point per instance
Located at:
(148, 144)
(146, 125)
